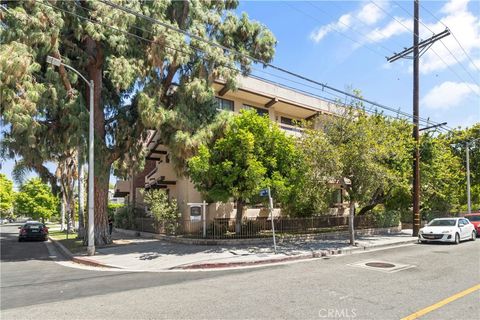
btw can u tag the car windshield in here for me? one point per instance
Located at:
(474, 218)
(442, 223)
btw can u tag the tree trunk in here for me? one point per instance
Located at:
(62, 212)
(101, 181)
(239, 216)
(103, 159)
(81, 201)
(351, 223)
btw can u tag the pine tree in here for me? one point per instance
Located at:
(133, 63)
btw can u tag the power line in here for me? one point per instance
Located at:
(332, 28)
(150, 41)
(335, 3)
(461, 64)
(441, 59)
(324, 86)
(348, 26)
(464, 51)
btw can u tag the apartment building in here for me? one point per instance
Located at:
(283, 106)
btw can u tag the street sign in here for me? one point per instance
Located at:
(264, 193)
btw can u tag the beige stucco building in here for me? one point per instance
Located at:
(284, 106)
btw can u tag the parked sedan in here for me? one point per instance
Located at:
(474, 218)
(447, 230)
(33, 231)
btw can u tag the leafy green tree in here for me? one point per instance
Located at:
(35, 199)
(133, 63)
(442, 177)
(163, 210)
(367, 154)
(7, 196)
(317, 171)
(457, 140)
(253, 154)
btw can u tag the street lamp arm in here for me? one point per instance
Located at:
(77, 72)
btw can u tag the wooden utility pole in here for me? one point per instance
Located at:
(416, 136)
(417, 49)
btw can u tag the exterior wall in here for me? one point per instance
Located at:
(278, 102)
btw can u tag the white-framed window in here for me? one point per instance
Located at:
(224, 104)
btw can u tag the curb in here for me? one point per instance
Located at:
(312, 255)
(225, 265)
(81, 260)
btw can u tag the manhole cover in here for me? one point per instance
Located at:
(380, 265)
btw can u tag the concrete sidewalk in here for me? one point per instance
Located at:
(158, 255)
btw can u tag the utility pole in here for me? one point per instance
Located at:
(417, 49)
(469, 204)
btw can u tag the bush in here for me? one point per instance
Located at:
(164, 212)
(124, 218)
(385, 219)
(217, 228)
(112, 208)
(251, 228)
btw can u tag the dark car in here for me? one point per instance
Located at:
(33, 231)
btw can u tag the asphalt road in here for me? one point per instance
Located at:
(35, 286)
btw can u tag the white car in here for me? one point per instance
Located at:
(447, 230)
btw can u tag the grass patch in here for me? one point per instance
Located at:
(74, 244)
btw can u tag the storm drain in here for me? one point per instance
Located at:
(382, 266)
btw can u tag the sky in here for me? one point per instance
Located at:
(344, 44)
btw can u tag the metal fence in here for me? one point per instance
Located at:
(221, 228)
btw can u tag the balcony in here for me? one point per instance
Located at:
(122, 189)
(291, 130)
(162, 174)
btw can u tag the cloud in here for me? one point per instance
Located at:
(475, 65)
(449, 95)
(393, 28)
(465, 25)
(342, 24)
(368, 14)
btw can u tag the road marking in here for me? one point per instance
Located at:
(442, 303)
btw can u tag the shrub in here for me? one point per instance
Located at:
(164, 212)
(385, 219)
(112, 208)
(124, 218)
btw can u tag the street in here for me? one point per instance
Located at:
(33, 284)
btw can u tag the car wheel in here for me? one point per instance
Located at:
(457, 238)
(474, 236)
(20, 239)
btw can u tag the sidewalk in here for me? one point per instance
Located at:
(157, 255)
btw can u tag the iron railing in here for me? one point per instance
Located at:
(225, 228)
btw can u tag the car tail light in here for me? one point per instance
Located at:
(23, 231)
(45, 230)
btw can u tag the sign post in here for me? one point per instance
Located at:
(264, 193)
(204, 220)
(203, 206)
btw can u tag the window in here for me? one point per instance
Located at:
(224, 104)
(288, 121)
(260, 111)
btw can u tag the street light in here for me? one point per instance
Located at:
(91, 236)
